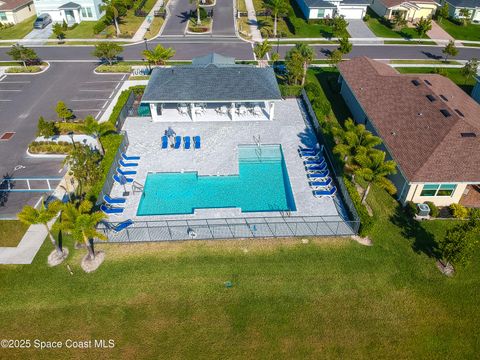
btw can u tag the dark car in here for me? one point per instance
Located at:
(42, 21)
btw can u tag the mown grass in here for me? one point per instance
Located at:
(18, 31)
(467, 32)
(379, 27)
(11, 232)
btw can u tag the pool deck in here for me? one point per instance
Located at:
(219, 156)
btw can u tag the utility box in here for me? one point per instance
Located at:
(423, 210)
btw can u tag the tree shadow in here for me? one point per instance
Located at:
(422, 240)
(432, 56)
(185, 16)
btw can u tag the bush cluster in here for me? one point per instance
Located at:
(459, 211)
(5, 25)
(434, 211)
(46, 147)
(290, 90)
(366, 221)
(99, 26)
(23, 69)
(116, 68)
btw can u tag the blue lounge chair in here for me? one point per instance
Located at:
(303, 152)
(130, 158)
(317, 161)
(319, 175)
(178, 142)
(124, 164)
(196, 142)
(311, 156)
(111, 210)
(186, 142)
(117, 179)
(126, 172)
(164, 142)
(322, 173)
(316, 168)
(325, 182)
(326, 192)
(123, 225)
(112, 201)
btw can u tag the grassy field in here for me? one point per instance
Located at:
(379, 28)
(18, 31)
(11, 232)
(453, 74)
(468, 32)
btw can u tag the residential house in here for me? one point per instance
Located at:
(476, 90)
(411, 10)
(213, 88)
(320, 9)
(70, 12)
(16, 11)
(454, 7)
(429, 127)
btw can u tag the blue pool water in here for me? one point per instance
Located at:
(261, 185)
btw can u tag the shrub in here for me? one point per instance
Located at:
(458, 211)
(366, 17)
(46, 128)
(434, 211)
(411, 209)
(66, 127)
(290, 90)
(99, 26)
(117, 68)
(366, 221)
(23, 69)
(43, 147)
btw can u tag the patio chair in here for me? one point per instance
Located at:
(322, 184)
(126, 172)
(111, 210)
(257, 111)
(315, 161)
(178, 142)
(164, 142)
(130, 158)
(196, 142)
(123, 225)
(325, 193)
(118, 180)
(124, 164)
(317, 176)
(111, 201)
(308, 150)
(186, 142)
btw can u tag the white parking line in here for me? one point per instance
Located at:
(85, 109)
(9, 90)
(92, 90)
(113, 92)
(116, 87)
(89, 99)
(100, 81)
(16, 82)
(106, 102)
(5, 100)
(98, 115)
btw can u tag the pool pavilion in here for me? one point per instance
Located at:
(213, 88)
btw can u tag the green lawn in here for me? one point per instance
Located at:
(469, 32)
(18, 31)
(379, 27)
(453, 74)
(11, 232)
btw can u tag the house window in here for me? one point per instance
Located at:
(321, 13)
(438, 190)
(89, 12)
(84, 12)
(3, 16)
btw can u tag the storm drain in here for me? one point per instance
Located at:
(6, 136)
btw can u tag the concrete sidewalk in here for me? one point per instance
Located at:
(142, 30)
(253, 22)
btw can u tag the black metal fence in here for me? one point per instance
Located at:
(125, 112)
(342, 189)
(234, 228)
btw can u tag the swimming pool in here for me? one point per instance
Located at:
(261, 185)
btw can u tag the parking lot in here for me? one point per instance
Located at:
(24, 98)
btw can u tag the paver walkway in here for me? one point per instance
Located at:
(253, 22)
(142, 30)
(437, 32)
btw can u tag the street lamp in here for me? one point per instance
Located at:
(71, 137)
(146, 48)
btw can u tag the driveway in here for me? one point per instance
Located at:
(358, 29)
(39, 34)
(178, 18)
(223, 20)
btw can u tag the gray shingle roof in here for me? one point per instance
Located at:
(356, 2)
(319, 4)
(69, 6)
(212, 83)
(213, 58)
(465, 3)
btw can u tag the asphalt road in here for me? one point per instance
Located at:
(223, 19)
(241, 50)
(25, 98)
(179, 15)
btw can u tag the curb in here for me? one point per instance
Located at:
(46, 156)
(36, 73)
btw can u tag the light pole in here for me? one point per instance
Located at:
(71, 137)
(146, 48)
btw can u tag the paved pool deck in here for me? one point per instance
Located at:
(219, 156)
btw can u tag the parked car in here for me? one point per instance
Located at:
(42, 21)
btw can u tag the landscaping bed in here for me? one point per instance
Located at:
(380, 28)
(24, 69)
(18, 31)
(468, 32)
(11, 232)
(204, 27)
(48, 147)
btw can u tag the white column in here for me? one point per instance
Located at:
(153, 112)
(192, 111)
(232, 111)
(76, 15)
(271, 111)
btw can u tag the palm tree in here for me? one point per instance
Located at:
(354, 140)
(262, 49)
(112, 6)
(94, 128)
(197, 4)
(78, 221)
(278, 7)
(266, 27)
(30, 216)
(308, 55)
(158, 55)
(374, 170)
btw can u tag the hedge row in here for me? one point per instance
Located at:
(366, 221)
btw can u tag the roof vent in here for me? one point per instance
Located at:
(445, 112)
(459, 113)
(393, 133)
(416, 82)
(419, 114)
(427, 82)
(443, 97)
(468, 135)
(431, 98)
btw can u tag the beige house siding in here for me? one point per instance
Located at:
(426, 10)
(416, 189)
(20, 14)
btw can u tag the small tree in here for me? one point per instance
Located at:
(443, 12)
(63, 112)
(46, 128)
(465, 16)
(398, 21)
(30, 216)
(113, 9)
(308, 55)
(23, 54)
(450, 50)
(339, 25)
(345, 45)
(470, 69)
(278, 7)
(294, 66)
(83, 165)
(423, 26)
(94, 128)
(335, 57)
(373, 169)
(158, 55)
(107, 51)
(262, 49)
(197, 5)
(58, 31)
